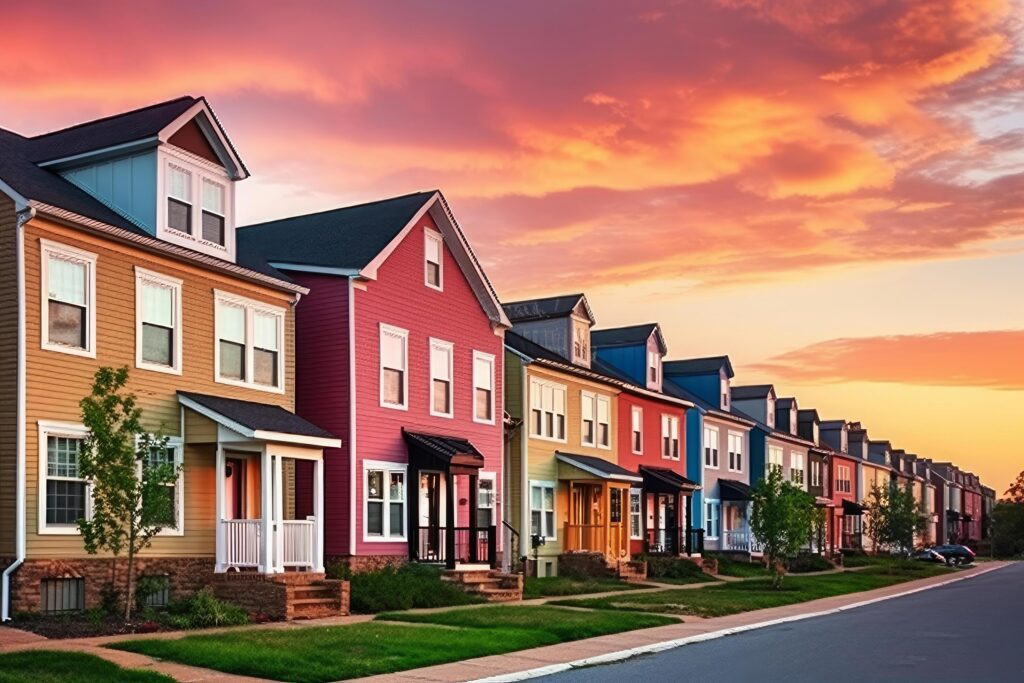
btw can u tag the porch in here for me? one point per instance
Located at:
(598, 505)
(666, 510)
(851, 526)
(736, 534)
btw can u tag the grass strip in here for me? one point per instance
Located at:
(47, 666)
(552, 586)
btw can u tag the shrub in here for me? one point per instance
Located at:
(407, 587)
(148, 586)
(804, 563)
(673, 568)
(203, 610)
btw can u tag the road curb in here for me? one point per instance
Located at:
(653, 648)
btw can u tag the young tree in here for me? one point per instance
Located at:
(782, 520)
(128, 477)
(894, 517)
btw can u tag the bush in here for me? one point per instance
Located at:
(407, 587)
(203, 610)
(673, 568)
(804, 563)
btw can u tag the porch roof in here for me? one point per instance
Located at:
(597, 467)
(662, 480)
(734, 490)
(852, 508)
(449, 452)
(260, 421)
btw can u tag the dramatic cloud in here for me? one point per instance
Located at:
(981, 359)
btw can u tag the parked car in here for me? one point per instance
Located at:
(928, 555)
(955, 554)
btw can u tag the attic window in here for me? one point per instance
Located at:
(179, 199)
(432, 265)
(653, 364)
(213, 212)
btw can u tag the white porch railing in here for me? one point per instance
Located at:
(241, 542)
(738, 540)
(297, 542)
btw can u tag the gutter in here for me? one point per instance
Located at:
(24, 216)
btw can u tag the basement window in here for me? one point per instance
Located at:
(62, 595)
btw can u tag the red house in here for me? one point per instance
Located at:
(399, 348)
(846, 525)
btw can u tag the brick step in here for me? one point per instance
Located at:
(472, 576)
(316, 592)
(315, 601)
(502, 594)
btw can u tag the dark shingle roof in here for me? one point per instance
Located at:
(751, 391)
(118, 129)
(603, 468)
(258, 416)
(625, 336)
(541, 309)
(807, 414)
(698, 366)
(785, 403)
(346, 238)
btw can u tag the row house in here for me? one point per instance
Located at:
(119, 249)
(973, 514)
(400, 352)
(819, 463)
(876, 474)
(718, 447)
(846, 523)
(923, 469)
(772, 444)
(949, 500)
(988, 504)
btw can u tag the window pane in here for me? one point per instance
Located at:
(392, 351)
(397, 521)
(549, 522)
(66, 280)
(156, 345)
(375, 484)
(232, 360)
(157, 304)
(535, 498)
(482, 374)
(62, 456)
(549, 498)
(169, 519)
(434, 274)
(440, 362)
(231, 322)
(264, 367)
(375, 518)
(179, 216)
(397, 489)
(213, 197)
(483, 404)
(485, 493)
(66, 324)
(213, 228)
(179, 183)
(264, 330)
(65, 501)
(535, 523)
(442, 398)
(393, 391)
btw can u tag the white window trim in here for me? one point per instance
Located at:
(47, 248)
(388, 468)
(718, 442)
(69, 430)
(597, 400)
(449, 348)
(431, 234)
(200, 169)
(633, 412)
(489, 359)
(178, 444)
(667, 421)
(554, 506)
(591, 398)
(251, 307)
(640, 513)
(142, 276)
(739, 453)
(493, 478)
(768, 458)
(715, 505)
(386, 329)
(539, 384)
(794, 458)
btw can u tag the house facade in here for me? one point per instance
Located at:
(120, 246)
(772, 446)
(400, 353)
(819, 467)
(846, 524)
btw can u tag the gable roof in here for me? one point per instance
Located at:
(772, 432)
(546, 308)
(598, 467)
(355, 240)
(699, 366)
(807, 414)
(751, 391)
(628, 336)
(785, 403)
(257, 420)
(672, 389)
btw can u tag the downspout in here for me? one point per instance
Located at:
(23, 217)
(525, 538)
(352, 418)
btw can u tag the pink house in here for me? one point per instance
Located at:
(399, 348)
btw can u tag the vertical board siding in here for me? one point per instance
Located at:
(127, 184)
(8, 375)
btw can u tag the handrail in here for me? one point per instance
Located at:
(517, 561)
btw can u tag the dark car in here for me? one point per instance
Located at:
(928, 555)
(955, 554)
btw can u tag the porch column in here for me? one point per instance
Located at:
(689, 525)
(474, 538)
(449, 511)
(278, 525)
(318, 513)
(266, 512)
(643, 520)
(219, 509)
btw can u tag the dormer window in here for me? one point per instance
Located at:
(213, 212)
(179, 199)
(433, 248)
(580, 343)
(653, 367)
(771, 412)
(725, 394)
(196, 208)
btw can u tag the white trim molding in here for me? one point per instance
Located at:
(144, 277)
(388, 468)
(491, 362)
(67, 430)
(251, 309)
(48, 249)
(397, 333)
(447, 348)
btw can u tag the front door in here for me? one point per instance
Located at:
(234, 488)
(431, 543)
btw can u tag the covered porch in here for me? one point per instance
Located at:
(598, 505)
(258, 451)
(666, 508)
(851, 526)
(736, 534)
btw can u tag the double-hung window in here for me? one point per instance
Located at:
(670, 437)
(69, 308)
(595, 425)
(385, 500)
(483, 387)
(735, 452)
(394, 364)
(815, 473)
(158, 316)
(635, 511)
(796, 468)
(196, 208)
(653, 367)
(64, 493)
(711, 447)
(637, 418)
(485, 500)
(542, 509)
(843, 483)
(214, 216)
(711, 520)
(775, 456)
(169, 454)
(250, 338)
(547, 410)
(179, 199)
(441, 375)
(433, 260)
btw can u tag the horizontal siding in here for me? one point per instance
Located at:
(8, 375)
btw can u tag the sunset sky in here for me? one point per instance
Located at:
(832, 193)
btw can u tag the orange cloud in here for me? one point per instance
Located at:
(982, 359)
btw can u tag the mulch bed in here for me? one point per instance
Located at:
(60, 626)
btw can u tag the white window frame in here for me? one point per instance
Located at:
(142, 277)
(548, 534)
(670, 429)
(386, 329)
(770, 460)
(490, 360)
(588, 399)
(840, 471)
(636, 427)
(797, 458)
(704, 455)
(388, 468)
(603, 400)
(537, 387)
(493, 478)
(88, 259)
(200, 170)
(737, 438)
(251, 308)
(713, 505)
(653, 363)
(430, 235)
(639, 514)
(67, 430)
(814, 467)
(444, 347)
(178, 444)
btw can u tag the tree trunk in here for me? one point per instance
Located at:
(128, 597)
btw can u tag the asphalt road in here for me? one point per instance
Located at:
(967, 631)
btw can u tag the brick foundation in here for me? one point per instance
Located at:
(277, 596)
(361, 564)
(583, 564)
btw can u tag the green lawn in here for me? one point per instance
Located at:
(330, 653)
(45, 666)
(568, 585)
(743, 596)
(741, 569)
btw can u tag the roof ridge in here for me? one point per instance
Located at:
(544, 298)
(336, 209)
(115, 116)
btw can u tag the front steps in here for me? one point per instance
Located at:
(287, 596)
(631, 571)
(490, 584)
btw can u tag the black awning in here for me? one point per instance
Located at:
(953, 515)
(662, 480)
(450, 453)
(967, 518)
(734, 490)
(851, 508)
(595, 468)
